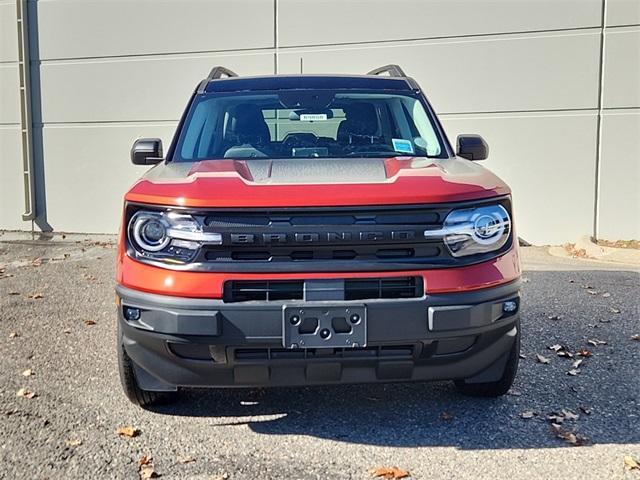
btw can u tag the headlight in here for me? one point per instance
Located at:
(168, 235)
(474, 230)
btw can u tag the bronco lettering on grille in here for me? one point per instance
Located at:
(324, 237)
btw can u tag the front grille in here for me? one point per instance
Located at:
(246, 291)
(372, 353)
(354, 289)
(327, 239)
(321, 253)
(403, 287)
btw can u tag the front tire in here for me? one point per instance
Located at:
(499, 387)
(138, 396)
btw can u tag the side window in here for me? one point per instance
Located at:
(270, 117)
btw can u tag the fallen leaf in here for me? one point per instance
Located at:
(573, 372)
(554, 317)
(572, 438)
(595, 342)
(583, 352)
(66, 330)
(128, 431)
(569, 415)
(522, 356)
(630, 463)
(89, 322)
(446, 416)
(37, 262)
(13, 334)
(389, 472)
(76, 442)
(605, 320)
(555, 418)
(606, 294)
(186, 459)
(26, 393)
(636, 337)
(528, 414)
(35, 296)
(541, 359)
(27, 373)
(14, 293)
(586, 285)
(515, 393)
(145, 460)
(556, 347)
(224, 476)
(592, 292)
(577, 363)
(614, 310)
(564, 353)
(147, 471)
(584, 409)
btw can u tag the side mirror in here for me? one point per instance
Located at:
(146, 151)
(472, 147)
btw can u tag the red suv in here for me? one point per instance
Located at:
(312, 229)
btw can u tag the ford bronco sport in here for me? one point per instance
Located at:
(309, 229)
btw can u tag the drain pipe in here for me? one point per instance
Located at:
(26, 125)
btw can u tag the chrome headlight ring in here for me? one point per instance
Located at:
(168, 235)
(474, 230)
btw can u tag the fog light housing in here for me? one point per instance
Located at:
(131, 313)
(509, 306)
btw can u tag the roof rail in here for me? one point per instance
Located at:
(393, 71)
(216, 72)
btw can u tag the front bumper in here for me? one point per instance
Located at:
(208, 343)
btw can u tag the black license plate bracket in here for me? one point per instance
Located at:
(326, 326)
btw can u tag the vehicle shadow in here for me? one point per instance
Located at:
(605, 395)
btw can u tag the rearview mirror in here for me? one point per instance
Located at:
(146, 151)
(472, 147)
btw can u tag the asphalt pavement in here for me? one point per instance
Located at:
(57, 343)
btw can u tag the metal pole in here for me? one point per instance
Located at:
(26, 125)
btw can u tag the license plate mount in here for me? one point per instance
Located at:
(327, 326)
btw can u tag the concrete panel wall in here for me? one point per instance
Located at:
(88, 172)
(11, 191)
(548, 159)
(82, 29)
(621, 81)
(301, 22)
(623, 12)
(132, 89)
(8, 28)
(479, 74)
(619, 206)
(9, 93)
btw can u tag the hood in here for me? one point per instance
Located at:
(302, 182)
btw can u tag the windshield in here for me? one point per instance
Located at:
(307, 123)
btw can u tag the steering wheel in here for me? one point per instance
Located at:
(299, 139)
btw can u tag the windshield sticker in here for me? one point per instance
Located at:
(313, 117)
(402, 146)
